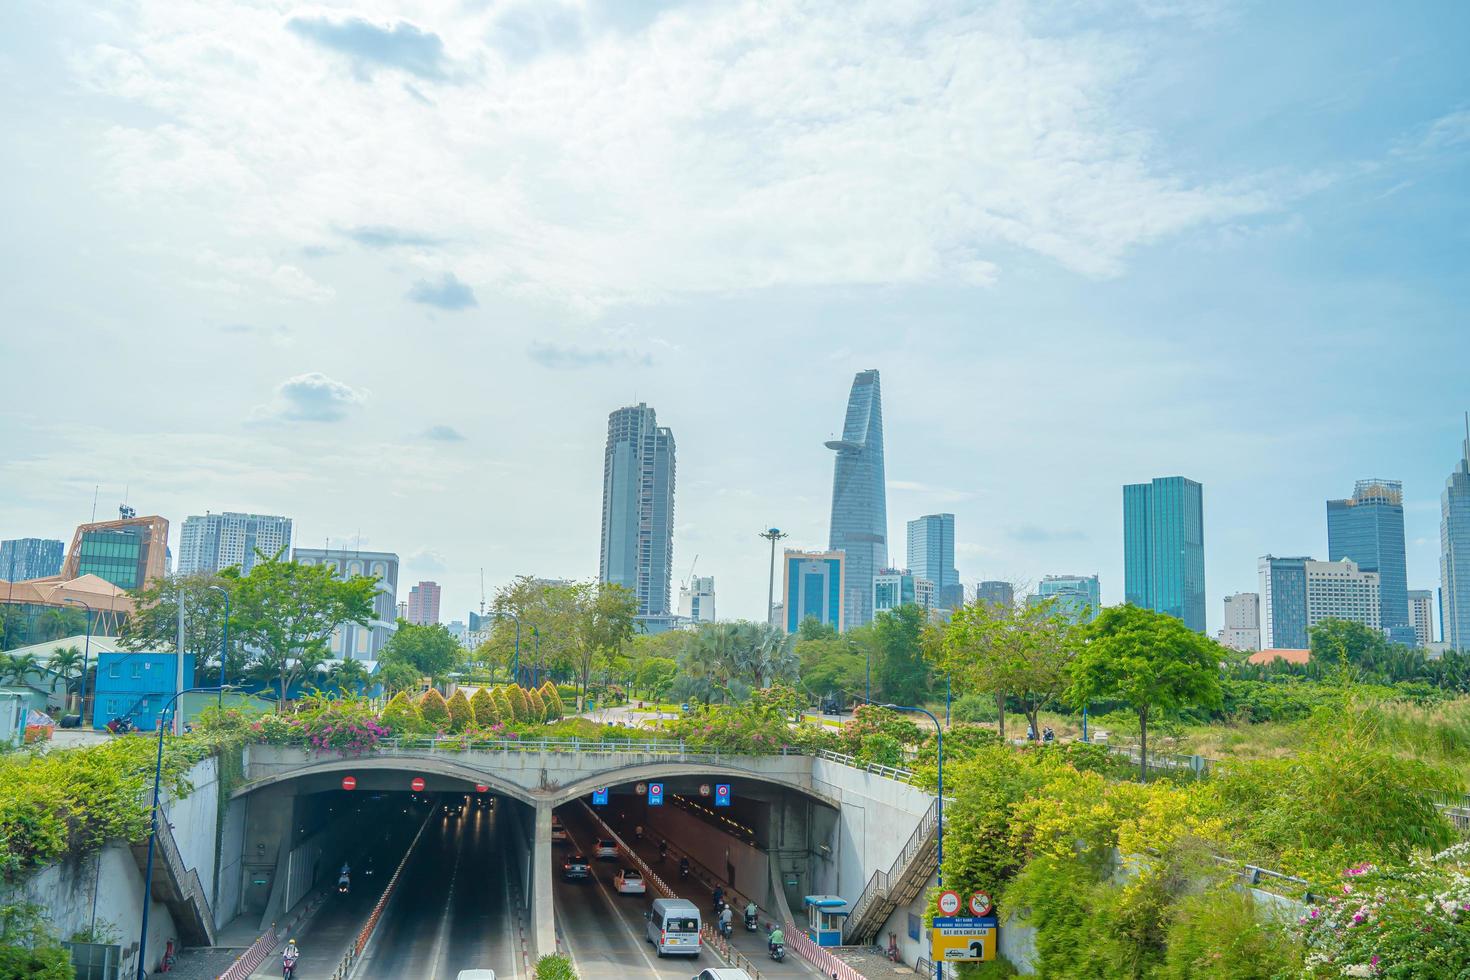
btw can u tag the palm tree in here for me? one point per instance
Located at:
(67, 664)
(17, 667)
(350, 676)
(764, 654)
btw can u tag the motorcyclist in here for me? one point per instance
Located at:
(663, 849)
(683, 867)
(727, 914)
(751, 912)
(346, 870)
(776, 938)
(289, 956)
(719, 897)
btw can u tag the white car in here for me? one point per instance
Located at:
(723, 974)
(606, 850)
(478, 975)
(629, 882)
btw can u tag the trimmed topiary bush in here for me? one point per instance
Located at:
(519, 706)
(461, 715)
(538, 706)
(435, 709)
(503, 707)
(402, 715)
(483, 705)
(554, 707)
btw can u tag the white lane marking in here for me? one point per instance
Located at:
(510, 925)
(444, 920)
(617, 914)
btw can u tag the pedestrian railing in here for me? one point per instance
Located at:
(246, 963)
(354, 951)
(877, 769)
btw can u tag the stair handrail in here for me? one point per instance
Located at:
(878, 884)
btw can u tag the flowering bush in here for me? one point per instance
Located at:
(1411, 923)
(344, 725)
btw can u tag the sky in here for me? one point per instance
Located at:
(385, 268)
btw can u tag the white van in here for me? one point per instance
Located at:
(673, 927)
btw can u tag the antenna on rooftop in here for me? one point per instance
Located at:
(482, 591)
(95, 491)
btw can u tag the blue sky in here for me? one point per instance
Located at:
(385, 267)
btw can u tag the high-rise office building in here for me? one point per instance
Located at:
(1078, 597)
(1298, 593)
(27, 558)
(351, 641)
(697, 599)
(1454, 553)
(129, 552)
(215, 542)
(423, 604)
(894, 587)
(1421, 615)
(813, 585)
(1368, 528)
(1242, 629)
(999, 595)
(1283, 602)
(859, 501)
(638, 508)
(1164, 548)
(931, 556)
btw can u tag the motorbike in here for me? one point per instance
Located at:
(344, 883)
(778, 952)
(288, 968)
(684, 868)
(1048, 735)
(726, 928)
(750, 922)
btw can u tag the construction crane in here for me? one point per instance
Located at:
(687, 578)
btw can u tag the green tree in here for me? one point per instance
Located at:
(813, 628)
(1343, 643)
(285, 612)
(900, 671)
(1021, 652)
(431, 650)
(154, 625)
(828, 666)
(434, 709)
(601, 616)
(1150, 661)
(764, 655)
(654, 676)
(66, 664)
(483, 704)
(461, 715)
(399, 677)
(17, 667)
(350, 676)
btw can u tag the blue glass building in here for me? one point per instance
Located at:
(813, 584)
(1368, 528)
(1164, 548)
(931, 556)
(1078, 597)
(1454, 554)
(859, 500)
(28, 558)
(1283, 603)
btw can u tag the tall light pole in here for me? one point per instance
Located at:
(772, 534)
(515, 669)
(153, 833)
(86, 652)
(224, 643)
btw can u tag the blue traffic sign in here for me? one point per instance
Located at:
(655, 794)
(599, 797)
(722, 794)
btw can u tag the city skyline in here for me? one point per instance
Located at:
(1199, 216)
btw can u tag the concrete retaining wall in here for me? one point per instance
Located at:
(878, 817)
(717, 851)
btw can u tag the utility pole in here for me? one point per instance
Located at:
(772, 534)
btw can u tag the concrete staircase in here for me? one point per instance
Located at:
(176, 887)
(899, 885)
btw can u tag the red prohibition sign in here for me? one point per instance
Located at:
(417, 785)
(349, 782)
(481, 788)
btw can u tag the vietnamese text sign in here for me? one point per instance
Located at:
(963, 938)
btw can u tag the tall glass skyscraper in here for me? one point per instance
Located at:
(27, 558)
(859, 501)
(931, 556)
(638, 508)
(1164, 548)
(1368, 528)
(1454, 553)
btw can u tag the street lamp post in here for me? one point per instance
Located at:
(224, 643)
(772, 534)
(86, 653)
(939, 744)
(153, 831)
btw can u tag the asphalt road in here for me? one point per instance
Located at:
(453, 909)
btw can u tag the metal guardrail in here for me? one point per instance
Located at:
(877, 769)
(247, 961)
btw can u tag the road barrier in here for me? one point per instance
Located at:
(247, 961)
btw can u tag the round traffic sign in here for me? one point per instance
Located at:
(723, 790)
(980, 904)
(949, 902)
(641, 788)
(417, 785)
(704, 789)
(349, 782)
(481, 788)
(657, 789)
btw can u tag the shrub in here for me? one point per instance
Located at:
(974, 708)
(345, 725)
(978, 850)
(435, 709)
(882, 749)
(503, 706)
(483, 705)
(537, 705)
(461, 715)
(554, 967)
(1221, 933)
(402, 715)
(49, 962)
(519, 706)
(555, 708)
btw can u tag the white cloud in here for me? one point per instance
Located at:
(719, 147)
(311, 397)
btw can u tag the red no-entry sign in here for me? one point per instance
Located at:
(349, 782)
(417, 785)
(481, 788)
